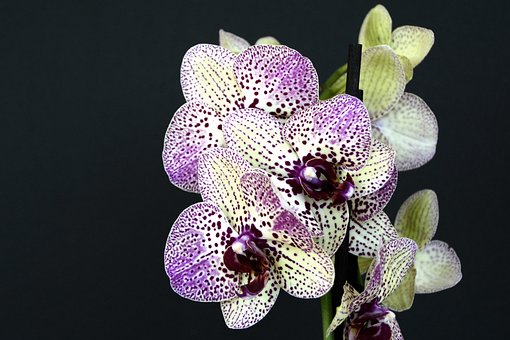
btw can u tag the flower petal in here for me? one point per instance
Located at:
(366, 237)
(412, 42)
(267, 41)
(388, 269)
(437, 268)
(219, 173)
(377, 171)
(410, 128)
(305, 275)
(266, 213)
(382, 79)
(333, 220)
(407, 67)
(365, 207)
(207, 75)
(257, 137)
(194, 128)
(402, 298)
(376, 28)
(396, 333)
(194, 255)
(342, 311)
(297, 203)
(276, 79)
(337, 129)
(418, 217)
(232, 42)
(242, 313)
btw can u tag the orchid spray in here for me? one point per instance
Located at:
(294, 178)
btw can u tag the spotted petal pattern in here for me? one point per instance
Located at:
(276, 79)
(220, 172)
(333, 220)
(377, 171)
(418, 217)
(365, 207)
(257, 137)
(207, 75)
(412, 42)
(337, 129)
(194, 255)
(389, 268)
(382, 79)
(242, 313)
(194, 128)
(437, 268)
(366, 237)
(410, 128)
(342, 311)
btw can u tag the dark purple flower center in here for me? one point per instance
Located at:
(246, 255)
(317, 178)
(370, 322)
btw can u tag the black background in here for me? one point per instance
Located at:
(87, 91)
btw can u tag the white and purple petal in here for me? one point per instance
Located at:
(410, 128)
(365, 207)
(377, 171)
(194, 255)
(219, 173)
(207, 75)
(365, 237)
(257, 137)
(333, 220)
(437, 268)
(337, 130)
(276, 79)
(240, 313)
(194, 128)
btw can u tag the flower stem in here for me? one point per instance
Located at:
(327, 89)
(327, 315)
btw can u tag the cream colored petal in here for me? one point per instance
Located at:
(376, 28)
(412, 42)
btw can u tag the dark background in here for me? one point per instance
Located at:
(87, 92)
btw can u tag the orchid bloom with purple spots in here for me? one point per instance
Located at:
(217, 82)
(240, 247)
(320, 160)
(365, 315)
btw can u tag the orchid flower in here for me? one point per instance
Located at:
(236, 44)
(321, 159)
(216, 82)
(365, 315)
(239, 246)
(410, 43)
(436, 266)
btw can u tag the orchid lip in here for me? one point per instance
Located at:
(246, 255)
(317, 178)
(370, 322)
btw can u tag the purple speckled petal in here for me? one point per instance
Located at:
(388, 269)
(194, 255)
(297, 203)
(333, 220)
(337, 129)
(303, 274)
(207, 75)
(194, 128)
(396, 333)
(219, 173)
(365, 207)
(342, 311)
(376, 172)
(242, 313)
(256, 136)
(410, 128)
(437, 268)
(265, 212)
(366, 237)
(276, 79)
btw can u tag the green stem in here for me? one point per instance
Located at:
(327, 315)
(327, 90)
